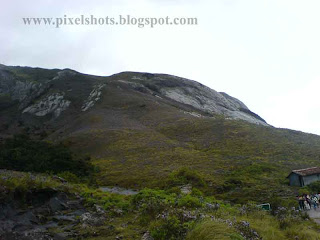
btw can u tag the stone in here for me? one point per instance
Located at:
(54, 103)
(89, 219)
(147, 236)
(60, 179)
(56, 205)
(186, 189)
(93, 97)
(214, 206)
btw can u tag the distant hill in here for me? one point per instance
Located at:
(139, 127)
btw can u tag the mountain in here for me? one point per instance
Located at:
(42, 93)
(139, 127)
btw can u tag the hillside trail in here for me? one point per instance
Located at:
(314, 214)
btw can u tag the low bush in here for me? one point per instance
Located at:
(170, 228)
(196, 192)
(152, 202)
(175, 190)
(313, 187)
(189, 201)
(69, 177)
(114, 203)
(302, 232)
(213, 230)
(186, 176)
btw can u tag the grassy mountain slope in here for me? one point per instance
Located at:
(237, 158)
(144, 126)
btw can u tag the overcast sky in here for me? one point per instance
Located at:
(265, 53)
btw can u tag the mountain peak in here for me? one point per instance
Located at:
(37, 96)
(192, 93)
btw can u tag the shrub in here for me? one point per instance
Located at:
(196, 192)
(313, 187)
(111, 202)
(302, 232)
(189, 202)
(213, 230)
(231, 184)
(185, 176)
(175, 190)
(169, 228)
(152, 202)
(303, 191)
(70, 177)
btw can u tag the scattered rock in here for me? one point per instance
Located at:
(147, 236)
(56, 205)
(90, 219)
(99, 209)
(64, 218)
(246, 231)
(60, 179)
(214, 206)
(119, 190)
(43, 209)
(186, 189)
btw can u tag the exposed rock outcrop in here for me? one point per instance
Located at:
(93, 97)
(21, 90)
(54, 103)
(199, 96)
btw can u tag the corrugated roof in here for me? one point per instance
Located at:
(307, 171)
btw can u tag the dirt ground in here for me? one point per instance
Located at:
(315, 215)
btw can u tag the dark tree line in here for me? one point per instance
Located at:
(24, 154)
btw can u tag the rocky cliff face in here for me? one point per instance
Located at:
(194, 94)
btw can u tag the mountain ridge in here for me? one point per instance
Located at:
(25, 85)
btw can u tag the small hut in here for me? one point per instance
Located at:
(303, 177)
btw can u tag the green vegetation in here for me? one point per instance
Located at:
(24, 154)
(163, 215)
(213, 230)
(170, 228)
(311, 188)
(162, 209)
(23, 182)
(236, 161)
(33, 74)
(184, 176)
(152, 202)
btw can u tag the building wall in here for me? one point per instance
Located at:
(310, 179)
(294, 180)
